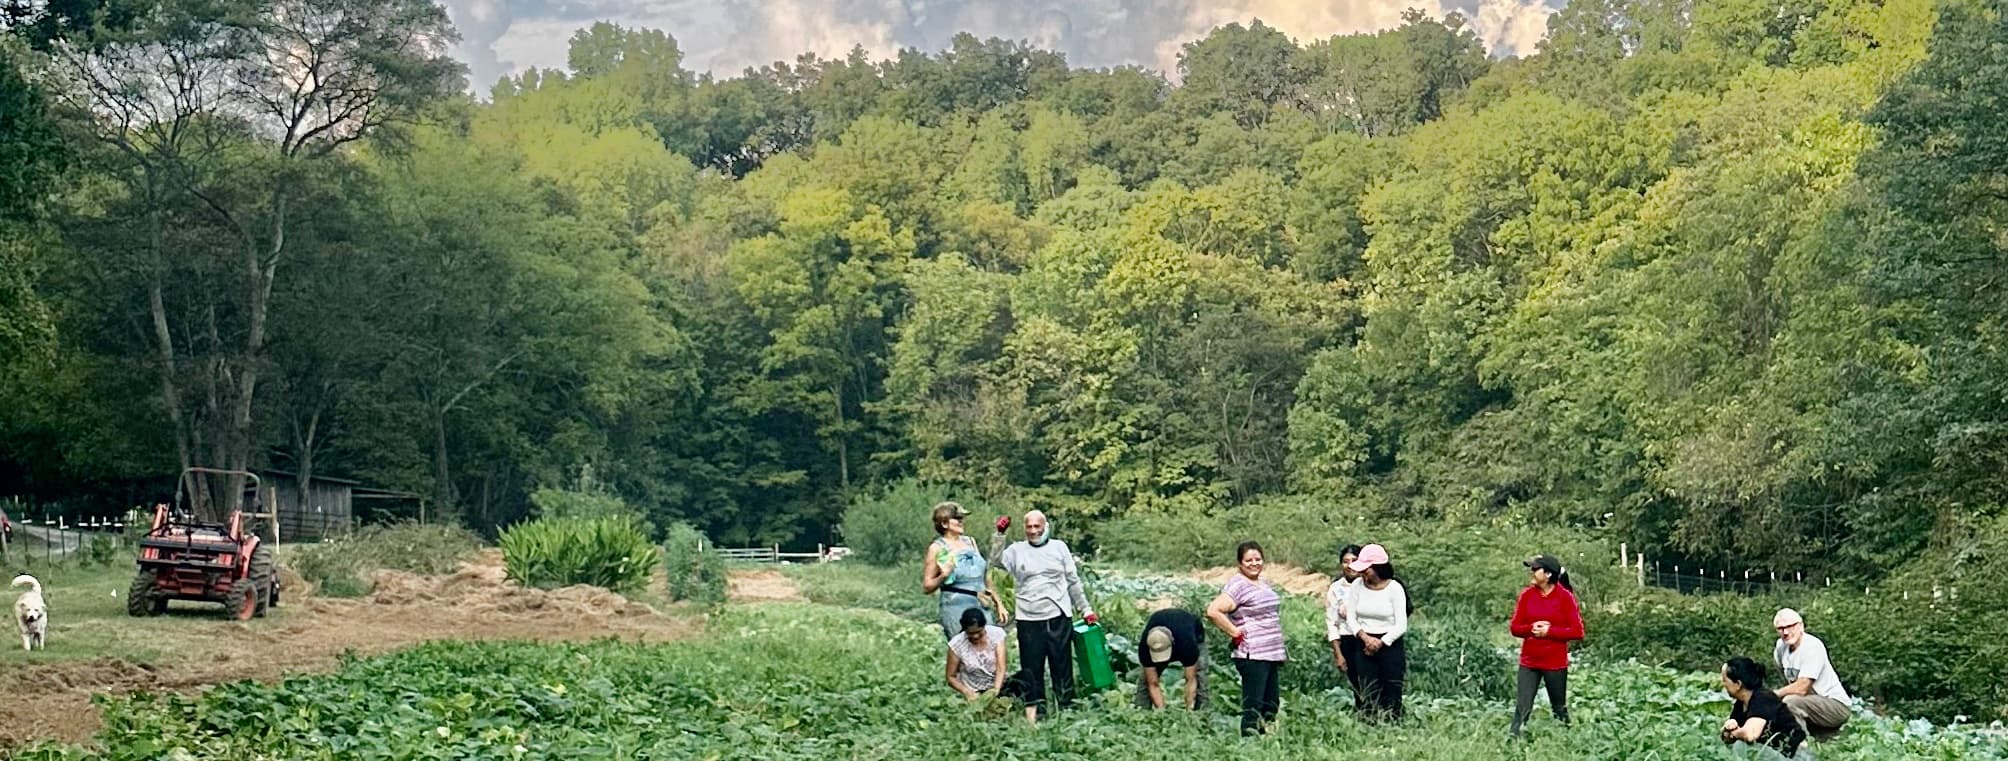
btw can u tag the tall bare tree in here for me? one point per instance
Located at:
(231, 107)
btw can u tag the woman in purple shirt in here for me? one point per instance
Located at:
(1250, 614)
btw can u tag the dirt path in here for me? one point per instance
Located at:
(1287, 578)
(52, 700)
(763, 586)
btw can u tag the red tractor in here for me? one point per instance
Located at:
(181, 559)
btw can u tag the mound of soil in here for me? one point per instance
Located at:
(482, 588)
(1287, 578)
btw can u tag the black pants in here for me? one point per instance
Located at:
(1042, 646)
(1260, 693)
(1350, 650)
(1531, 680)
(1381, 676)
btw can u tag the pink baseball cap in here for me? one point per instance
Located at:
(1370, 556)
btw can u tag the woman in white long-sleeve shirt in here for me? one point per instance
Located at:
(1377, 609)
(1345, 642)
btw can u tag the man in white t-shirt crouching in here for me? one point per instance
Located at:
(1812, 690)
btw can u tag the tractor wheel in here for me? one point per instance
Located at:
(142, 600)
(242, 599)
(264, 579)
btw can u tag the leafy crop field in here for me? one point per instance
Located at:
(792, 680)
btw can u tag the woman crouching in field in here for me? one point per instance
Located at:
(974, 655)
(1250, 613)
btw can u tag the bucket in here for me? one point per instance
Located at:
(1091, 658)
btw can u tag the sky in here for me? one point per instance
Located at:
(725, 37)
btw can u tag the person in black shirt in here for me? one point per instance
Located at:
(1171, 636)
(1759, 718)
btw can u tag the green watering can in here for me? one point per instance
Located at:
(1091, 659)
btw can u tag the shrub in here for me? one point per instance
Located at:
(340, 566)
(334, 572)
(694, 575)
(613, 552)
(1698, 633)
(893, 526)
(566, 503)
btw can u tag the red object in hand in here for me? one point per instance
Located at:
(1003, 524)
(1239, 637)
(1091, 618)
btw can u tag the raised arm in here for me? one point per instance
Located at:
(998, 542)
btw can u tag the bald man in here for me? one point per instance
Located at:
(1812, 690)
(1047, 594)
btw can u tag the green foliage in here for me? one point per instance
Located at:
(785, 680)
(1709, 278)
(612, 552)
(695, 575)
(867, 587)
(893, 526)
(564, 503)
(340, 566)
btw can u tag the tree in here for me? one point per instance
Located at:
(208, 102)
(1239, 71)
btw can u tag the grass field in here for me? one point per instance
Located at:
(856, 673)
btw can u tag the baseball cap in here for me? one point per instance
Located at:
(1158, 641)
(1545, 562)
(1370, 556)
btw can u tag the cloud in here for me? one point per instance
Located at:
(726, 36)
(1511, 27)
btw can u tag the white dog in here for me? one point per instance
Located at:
(31, 613)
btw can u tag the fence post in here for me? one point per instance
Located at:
(1641, 570)
(1622, 556)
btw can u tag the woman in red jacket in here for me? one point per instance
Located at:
(1546, 621)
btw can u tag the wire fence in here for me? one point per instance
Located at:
(36, 535)
(773, 554)
(1748, 582)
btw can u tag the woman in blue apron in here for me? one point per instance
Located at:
(954, 569)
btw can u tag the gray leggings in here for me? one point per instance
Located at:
(1531, 680)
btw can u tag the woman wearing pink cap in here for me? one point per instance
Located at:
(1250, 613)
(1377, 608)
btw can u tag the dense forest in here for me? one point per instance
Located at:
(1722, 278)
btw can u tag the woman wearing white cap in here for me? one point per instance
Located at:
(1377, 609)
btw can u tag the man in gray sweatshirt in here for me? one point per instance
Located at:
(1047, 594)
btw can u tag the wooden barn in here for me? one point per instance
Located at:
(327, 509)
